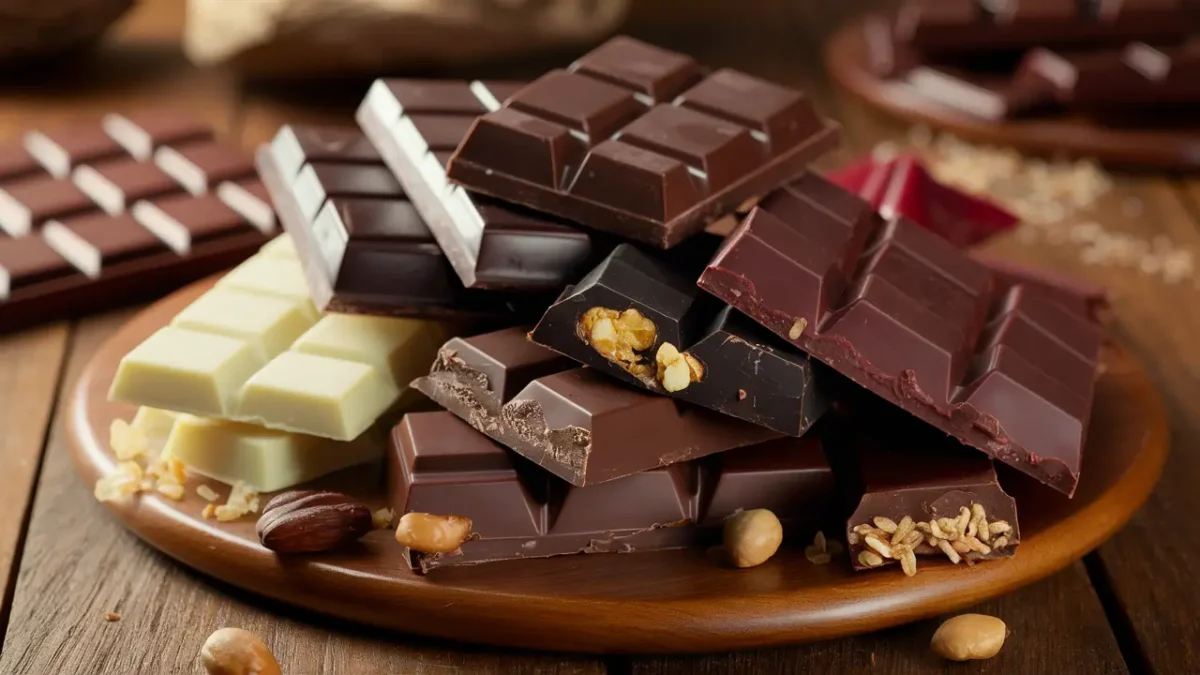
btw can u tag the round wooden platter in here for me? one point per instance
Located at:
(1154, 147)
(676, 601)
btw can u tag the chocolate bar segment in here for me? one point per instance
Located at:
(643, 320)
(364, 248)
(417, 124)
(437, 464)
(637, 141)
(141, 133)
(904, 313)
(1138, 76)
(91, 240)
(574, 422)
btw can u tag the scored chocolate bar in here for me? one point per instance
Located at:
(642, 319)
(416, 125)
(905, 314)
(438, 464)
(574, 422)
(364, 248)
(85, 225)
(954, 27)
(1137, 76)
(641, 142)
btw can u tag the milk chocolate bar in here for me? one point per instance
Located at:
(1137, 76)
(437, 464)
(902, 312)
(574, 422)
(253, 349)
(956, 27)
(641, 142)
(85, 225)
(363, 247)
(416, 125)
(1079, 296)
(643, 320)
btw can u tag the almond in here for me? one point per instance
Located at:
(308, 521)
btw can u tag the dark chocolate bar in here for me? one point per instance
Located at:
(641, 142)
(576, 423)
(643, 320)
(364, 248)
(416, 125)
(992, 96)
(115, 228)
(920, 490)
(1079, 296)
(956, 27)
(905, 314)
(1137, 76)
(438, 464)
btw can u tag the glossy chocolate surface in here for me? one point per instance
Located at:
(104, 253)
(1135, 76)
(364, 248)
(747, 372)
(574, 422)
(438, 464)
(901, 311)
(641, 142)
(417, 124)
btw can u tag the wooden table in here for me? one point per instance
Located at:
(1131, 606)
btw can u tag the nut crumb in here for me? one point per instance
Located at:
(798, 328)
(171, 491)
(676, 370)
(960, 539)
(112, 616)
(207, 493)
(382, 519)
(210, 510)
(741, 394)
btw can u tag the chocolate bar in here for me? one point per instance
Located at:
(641, 142)
(905, 314)
(903, 187)
(416, 125)
(956, 27)
(1083, 298)
(918, 480)
(1137, 76)
(85, 226)
(574, 422)
(254, 349)
(642, 320)
(438, 464)
(986, 95)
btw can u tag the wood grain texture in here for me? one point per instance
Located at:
(1055, 626)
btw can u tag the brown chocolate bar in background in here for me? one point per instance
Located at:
(87, 224)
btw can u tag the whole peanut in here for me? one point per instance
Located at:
(233, 651)
(969, 636)
(429, 533)
(752, 537)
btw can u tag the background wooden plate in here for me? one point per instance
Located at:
(1157, 147)
(647, 602)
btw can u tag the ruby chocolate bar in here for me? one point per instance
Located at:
(902, 312)
(574, 422)
(641, 142)
(438, 464)
(91, 226)
(416, 125)
(641, 319)
(364, 248)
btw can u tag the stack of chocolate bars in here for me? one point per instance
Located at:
(622, 379)
(1120, 60)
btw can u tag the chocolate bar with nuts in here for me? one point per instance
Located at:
(640, 317)
(437, 464)
(1004, 368)
(575, 422)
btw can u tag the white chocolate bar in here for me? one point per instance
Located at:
(266, 459)
(254, 350)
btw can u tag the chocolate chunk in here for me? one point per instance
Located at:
(200, 167)
(574, 422)
(904, 313)
(61, 150)
(643, 320)
(635, 140)
(115, 185)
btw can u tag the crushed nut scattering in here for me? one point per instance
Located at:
(676, 370)
(243, 501)
(619, 337)
(822, 550)
(164, 476)
(967, 537)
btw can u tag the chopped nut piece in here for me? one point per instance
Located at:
(112, 616)
(949, 551)
(207, 493)
(960, 546)
(429, 533)
(177, 470)
(999, 527)
(878, 544)
(127, 442)
(677, 370)
(741, 394)
(905, 528)
(171, 490)
(869, 558)
(210, 510)
(798, 329)
(382, 519)
(819, 541)
(619, 336)
(908, 561)
(1000, 543)
(886, 524)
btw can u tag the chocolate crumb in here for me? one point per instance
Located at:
(112, 616)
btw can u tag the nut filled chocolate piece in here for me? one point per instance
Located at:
(417, 124)
(641, 142)
(364, 248)
(437, 464)
(902, 312)
(574, 422)
(642, 319)
(100, 235)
